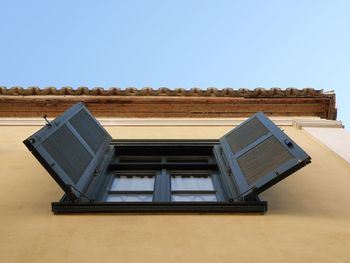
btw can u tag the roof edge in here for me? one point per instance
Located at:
(163, 91)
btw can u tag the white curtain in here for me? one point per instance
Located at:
(129, 198)
(135, 183)
(191, 183)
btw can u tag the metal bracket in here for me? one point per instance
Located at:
(48, 123)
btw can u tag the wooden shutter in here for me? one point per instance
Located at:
(259, 154)
(70, 148)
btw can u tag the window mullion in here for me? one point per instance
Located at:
(162, 187)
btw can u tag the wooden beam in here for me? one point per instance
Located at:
(167, 106)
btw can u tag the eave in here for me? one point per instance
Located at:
(164, 103)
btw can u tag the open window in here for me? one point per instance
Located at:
(99, 174)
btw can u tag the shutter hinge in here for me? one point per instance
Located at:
(96, 172)
(229, 171)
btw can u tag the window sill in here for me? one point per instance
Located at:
(247, 207)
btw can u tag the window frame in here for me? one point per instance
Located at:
(162, 194)
(186, 154)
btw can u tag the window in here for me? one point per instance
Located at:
(170, 172)
(132, 187)
(192, 188)
(99, 174)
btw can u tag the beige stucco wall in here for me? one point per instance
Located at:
(308, 218)
(337, 139)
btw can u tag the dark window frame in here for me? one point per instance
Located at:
(162, 193)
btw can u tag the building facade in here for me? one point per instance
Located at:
(307, 219)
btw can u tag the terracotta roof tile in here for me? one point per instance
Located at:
(163, 91)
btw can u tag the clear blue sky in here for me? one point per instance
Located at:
(178, 44)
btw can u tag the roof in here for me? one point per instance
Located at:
(147, 91)
(180, 102)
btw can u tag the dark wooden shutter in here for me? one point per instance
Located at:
(70, 148)
(259, 155)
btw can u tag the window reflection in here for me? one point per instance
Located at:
(188, 183)
(132, 183)
(131, 188)
(192, 188)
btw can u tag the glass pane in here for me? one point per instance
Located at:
(191, 183)
(193, 197)
(129, 198)
(132, 183)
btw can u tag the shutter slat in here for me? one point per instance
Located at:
(70, 148)
(262, 159)
(260, 154)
